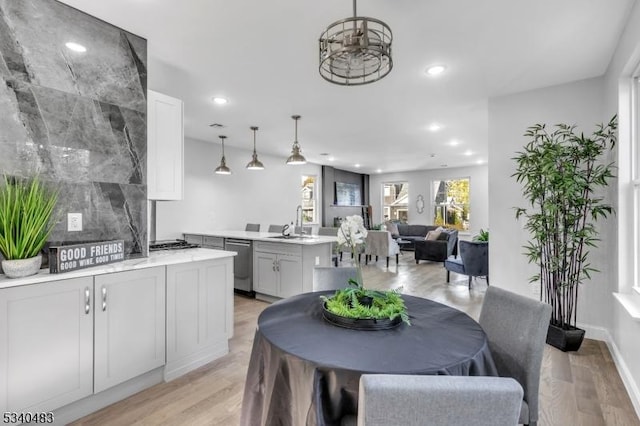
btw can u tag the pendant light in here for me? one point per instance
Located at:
(254, 164)
(296, 157)
(222, 169)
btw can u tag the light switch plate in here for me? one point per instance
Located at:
(74, 221)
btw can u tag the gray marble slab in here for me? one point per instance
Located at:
(76, 119)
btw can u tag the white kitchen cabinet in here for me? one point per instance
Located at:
(199, 314)
(165, 147)
(278, 269)
(129, 325)
(46, 345)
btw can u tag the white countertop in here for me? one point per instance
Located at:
(268, 236)
(156, 258)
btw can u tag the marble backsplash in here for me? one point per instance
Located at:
(76, 118)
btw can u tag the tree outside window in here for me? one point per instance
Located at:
(395, 201)
(308, 195)
(451, 203)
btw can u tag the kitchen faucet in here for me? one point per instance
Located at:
(299, 209)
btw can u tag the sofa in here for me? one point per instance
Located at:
(438, 250)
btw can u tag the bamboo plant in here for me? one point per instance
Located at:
(563, 173)
(26, 206)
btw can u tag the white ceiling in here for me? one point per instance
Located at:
(263, 56)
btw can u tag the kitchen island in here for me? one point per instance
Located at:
(279, 267)
(75, 342)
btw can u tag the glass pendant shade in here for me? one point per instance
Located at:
(222, 169)
(255, 164)
(296, 157)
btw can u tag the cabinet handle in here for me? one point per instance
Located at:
(273, 265)
(277, 266)
(104, 299)
(87, 300)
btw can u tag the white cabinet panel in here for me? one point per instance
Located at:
(277, 269)
(46, 345)
(129, 325)
(199, 314)
(265, 277)
(290, 271)
(165, 147)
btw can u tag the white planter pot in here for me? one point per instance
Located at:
(19, 268)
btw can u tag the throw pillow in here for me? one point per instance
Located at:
(392, 228)
(433, 235)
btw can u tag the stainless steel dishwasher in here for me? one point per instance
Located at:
(242, 265)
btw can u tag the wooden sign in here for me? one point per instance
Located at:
(80, 256)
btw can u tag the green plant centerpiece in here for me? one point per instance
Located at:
(564, 175)
(483, 236)
(358, 307)
(26, 207)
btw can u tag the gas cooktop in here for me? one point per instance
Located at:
(171, 245)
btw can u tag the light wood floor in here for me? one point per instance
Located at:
(580, 388)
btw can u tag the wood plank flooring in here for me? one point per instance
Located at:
(580, 388)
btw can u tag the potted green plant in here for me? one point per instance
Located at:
(482, 236)
(355, 306)
(26, 206)
(562, 175)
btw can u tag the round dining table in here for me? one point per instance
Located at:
(305, 370)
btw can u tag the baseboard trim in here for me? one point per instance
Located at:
(600, 333)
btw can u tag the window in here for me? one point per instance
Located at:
(395, 201)
(451, 203)
(308, 195)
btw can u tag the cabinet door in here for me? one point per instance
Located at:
(165, 141)
(290, 275)
(264, 274)
(46, 345)
(199, 309)
(129, 325)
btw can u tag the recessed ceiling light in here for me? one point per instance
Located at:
(436, 69)
(454, 142)
(379, 171)
(480, 162)
(357, 166)
(331, 159)
(220, 101)
(468, 152)
(444, 165)
(432, 155)
(76, 47)
(434, 127)
(324, 154)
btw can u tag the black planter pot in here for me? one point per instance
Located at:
(565, 339)
(368, 324)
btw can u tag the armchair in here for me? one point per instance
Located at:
(473, 260)
(437, 250)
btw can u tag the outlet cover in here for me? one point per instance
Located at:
(74, 221)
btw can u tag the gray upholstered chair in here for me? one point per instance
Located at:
(473, 260)
(255, 227)
(516, 328)
(410, 400)
(276, 228)
(330, 278)
(380, 243)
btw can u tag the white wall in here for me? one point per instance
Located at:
(420, 184)
(577, 103)
(216, 202)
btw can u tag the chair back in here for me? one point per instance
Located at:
(380, 243)
(516, 328)
(412, 400)
(475, 257)
(332, 278)
(254, 227)
(276, 228)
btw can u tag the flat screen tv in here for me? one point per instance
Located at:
(347, 194)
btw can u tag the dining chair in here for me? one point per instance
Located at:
(331, 278)
(416, 400)
(380, 243)
(331, 232)
(254, 227)
(516, 328)
(473, 260)
(276, 228)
